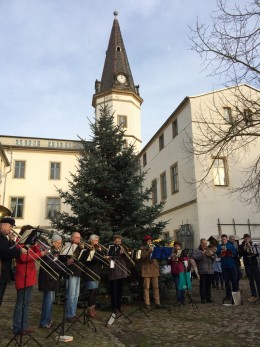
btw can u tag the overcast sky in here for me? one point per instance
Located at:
(52, 51)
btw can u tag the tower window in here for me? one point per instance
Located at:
(161, 142)
(118, 49)
(122, 121)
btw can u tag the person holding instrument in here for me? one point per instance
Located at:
(47, 283)
(73, 282)
(150, 273)
(117, 274)
(25, 279)
(7, 253)
(93, 262)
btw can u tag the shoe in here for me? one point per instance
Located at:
(46, 326)
(91, 314)
(72, 319)
(147, 306)
(252, 299)
(158, 306)
(27, 331)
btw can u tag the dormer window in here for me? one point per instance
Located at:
(118, 48)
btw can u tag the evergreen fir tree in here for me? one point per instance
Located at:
(106, 194)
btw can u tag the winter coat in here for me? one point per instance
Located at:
(249, 259)
(149, 267)
(25, 275)
(46, 282)
(120, 270)
(94, 265)
(6, 256)
(204, 262)
(228, 258)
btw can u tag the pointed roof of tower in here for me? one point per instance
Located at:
(116, 62)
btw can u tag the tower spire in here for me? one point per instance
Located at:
(116, 71)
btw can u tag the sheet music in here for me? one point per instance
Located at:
(91, 255)
(25, 236)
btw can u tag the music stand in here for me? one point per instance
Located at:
(28, 238)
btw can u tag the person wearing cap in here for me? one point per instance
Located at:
(25, 279)
(47, 283)
(250, 254)
(149, 272)
(7, 253)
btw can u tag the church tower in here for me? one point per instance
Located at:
(117, 88)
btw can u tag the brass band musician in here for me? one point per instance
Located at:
(47, 283)
(150, 272)
(93, 263)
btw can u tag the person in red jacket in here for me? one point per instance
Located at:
(25, 279)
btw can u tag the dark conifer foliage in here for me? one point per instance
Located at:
(106, 196)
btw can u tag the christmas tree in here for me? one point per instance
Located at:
(106, 194)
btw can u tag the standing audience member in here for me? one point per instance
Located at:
(227, 252)
(204, 258)
(250, 254)
(25, 279)
(117, 274)
(232, 239)
(47, 282)
(218, 276)
(7, 253)
(73, 282)
(150, 273)
(176, 262)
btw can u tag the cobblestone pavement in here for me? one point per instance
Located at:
(191, 325)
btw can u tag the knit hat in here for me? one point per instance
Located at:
(56, 237)
(146, 238)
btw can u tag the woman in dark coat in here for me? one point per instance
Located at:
(47, 283)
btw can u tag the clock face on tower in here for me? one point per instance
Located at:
(121, 78)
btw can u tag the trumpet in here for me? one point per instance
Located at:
(249, 248)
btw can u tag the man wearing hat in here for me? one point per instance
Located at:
(47, 283)
(150, 272)
(7, 253)
(250, 254)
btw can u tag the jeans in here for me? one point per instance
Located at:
(230, 275)
(179, 293)
(21, 309)
(253, 275)
(72, 290)
(47, 301)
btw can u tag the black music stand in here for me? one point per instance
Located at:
(60, 328)
(140, 307)
(28, 238)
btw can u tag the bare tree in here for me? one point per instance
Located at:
(230, 49)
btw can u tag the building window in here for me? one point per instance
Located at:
(174, 128)
(163, 184)
(17, 206)
(144, 159)
(19, 169)
(122, 121)
(53, 206)
(227, 114)
(174, 178)
(220, 172)
(161, 142)
(154, 192)
(55, 171)
(248, 117)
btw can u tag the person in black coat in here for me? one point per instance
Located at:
(94, 256)
(8, 251)
(47, 282)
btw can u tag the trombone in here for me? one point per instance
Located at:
(70, 253)
(121, 266)
(97, 255)
(35, 257)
